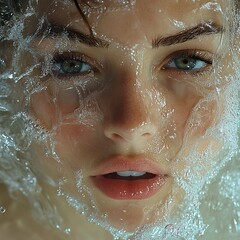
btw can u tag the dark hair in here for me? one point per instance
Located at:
(83, 15)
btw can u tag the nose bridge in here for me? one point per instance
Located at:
(129, 116)
(131, 107)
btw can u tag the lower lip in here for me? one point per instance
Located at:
(119, 189)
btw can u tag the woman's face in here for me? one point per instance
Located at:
(126, 113)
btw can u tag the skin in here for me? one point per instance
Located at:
(138, 107)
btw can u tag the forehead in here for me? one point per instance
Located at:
(132, 21)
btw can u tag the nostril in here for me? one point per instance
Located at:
(146, 135)
(116, 137)
(128, 135)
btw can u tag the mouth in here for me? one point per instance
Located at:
(123, 178)
(129, 175)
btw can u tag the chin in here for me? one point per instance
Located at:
(131, 215)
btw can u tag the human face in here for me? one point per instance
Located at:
(141, 95)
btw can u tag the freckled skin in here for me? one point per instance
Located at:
(140, 105)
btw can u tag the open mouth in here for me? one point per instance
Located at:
(129, 178)
(129, 187)
(129, 175)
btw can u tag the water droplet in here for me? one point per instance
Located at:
(67, 230)
(169, 228)
(2, 210)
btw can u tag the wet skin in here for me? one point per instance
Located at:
(132, 100)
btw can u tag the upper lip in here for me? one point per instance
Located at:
(121, 163)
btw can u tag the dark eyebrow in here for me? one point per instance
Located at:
(206, 28)
(55, 30)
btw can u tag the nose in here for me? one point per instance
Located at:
(140, 133)
(129, 117)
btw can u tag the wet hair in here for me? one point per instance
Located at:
(83, 15)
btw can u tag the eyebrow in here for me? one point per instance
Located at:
(56, 30)
(206, 28)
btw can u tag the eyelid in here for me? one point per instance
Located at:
(64, 56)
(190, 53)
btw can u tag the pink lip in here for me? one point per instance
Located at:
(121, 189)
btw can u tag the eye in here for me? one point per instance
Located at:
(72, 64)
(78, 70)
(73, 67)
(189, 61)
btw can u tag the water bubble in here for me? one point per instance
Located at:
(170, 228)
(58, 226)
(2, 210)
(67, 230)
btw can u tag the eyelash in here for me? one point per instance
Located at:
(191, 54)
(94, 67)
(61, 58)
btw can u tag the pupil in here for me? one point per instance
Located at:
(185, 63)
(72, 66)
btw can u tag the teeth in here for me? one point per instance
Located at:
(130, 173)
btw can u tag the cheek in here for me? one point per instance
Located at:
(181, 100)
(52, 105)
(67, 100)
(73, 136)
(204, 115)
(43, 109)
(193, 113)
(76, 145)
(200, 149)
(190, 116)
(45, 166)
